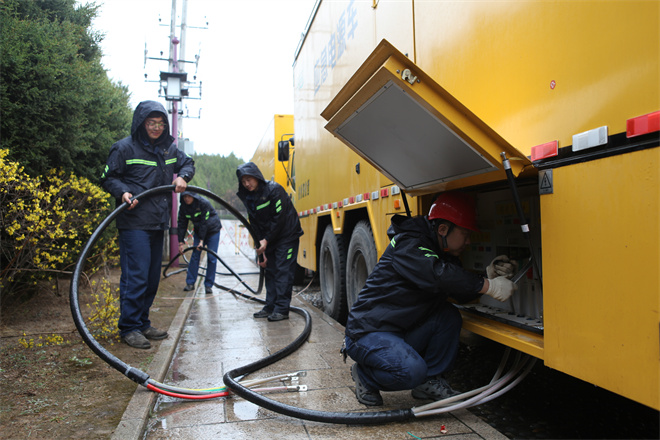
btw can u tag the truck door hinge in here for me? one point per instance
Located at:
(407, 75)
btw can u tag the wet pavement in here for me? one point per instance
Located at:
(216, 333)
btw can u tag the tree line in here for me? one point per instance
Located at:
(218, 175)
(59, 108)
(60, 116)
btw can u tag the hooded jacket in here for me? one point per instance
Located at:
(201, 213)
(270, 211)
(412, 278)
(135, 165)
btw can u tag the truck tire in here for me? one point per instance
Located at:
(360, 261)
(332, 275)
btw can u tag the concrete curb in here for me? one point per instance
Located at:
(133, 422)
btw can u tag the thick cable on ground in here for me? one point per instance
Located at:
(231, 271)
(366, 418)
(167, 274)
(132, 373)
(497, 387)
(362, 418)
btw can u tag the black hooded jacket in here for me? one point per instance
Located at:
(205, 220)
(135, 165)
(270, 211)
(412, 278)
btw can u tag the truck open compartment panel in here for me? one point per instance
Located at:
(407, 126)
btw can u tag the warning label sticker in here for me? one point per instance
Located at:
(545, 182)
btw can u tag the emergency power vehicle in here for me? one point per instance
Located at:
(547, 112)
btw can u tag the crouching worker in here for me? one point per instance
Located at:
(402, 332)
(206, 232)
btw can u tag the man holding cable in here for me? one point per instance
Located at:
(146, 159)
(206, 223)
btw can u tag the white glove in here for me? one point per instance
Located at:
(501, 288)
(502, 267)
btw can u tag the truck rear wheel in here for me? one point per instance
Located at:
(332, 275)
(360, 261)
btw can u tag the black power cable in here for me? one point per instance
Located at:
(134, 374)
(231, 271)
(360, 418)
(229, 379)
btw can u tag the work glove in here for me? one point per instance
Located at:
(501, 288)
(501, 267)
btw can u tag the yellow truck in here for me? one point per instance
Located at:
(280, 129)
(548, 112)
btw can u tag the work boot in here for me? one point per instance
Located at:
(277, 316)
(154, 334)
(263, 313)
(209, 290)
(188, 287)
(434, 389)
(136, 339)
(365, 395)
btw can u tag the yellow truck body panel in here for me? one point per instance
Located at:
(376, 82)
(601, 273)
(279, 129)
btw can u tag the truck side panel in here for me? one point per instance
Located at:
(601, 264)
(534, 73)
(541, 71)
(341, 37)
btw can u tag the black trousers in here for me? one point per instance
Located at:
(279, 274)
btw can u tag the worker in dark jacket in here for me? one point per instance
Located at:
(401, 331)
(275, 222)
(206, 229)
(146, 159)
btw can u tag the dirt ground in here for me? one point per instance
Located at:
(61, 389)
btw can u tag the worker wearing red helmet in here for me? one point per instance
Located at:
(401, 331)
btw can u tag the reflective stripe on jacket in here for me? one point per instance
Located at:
(412, 278)
(270, 210)
(135, 165)
(201, 213)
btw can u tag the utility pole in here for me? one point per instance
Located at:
(175, 85)
(184, 29)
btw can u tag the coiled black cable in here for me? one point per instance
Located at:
(360, 418)
(231, 272)
(229, 379)
(134, 374)
(167, 274)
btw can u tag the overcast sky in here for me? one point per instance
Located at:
(245, 65)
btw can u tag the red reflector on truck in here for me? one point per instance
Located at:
(643, 124)
(544, 151)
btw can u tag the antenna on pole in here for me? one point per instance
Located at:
(176, 64)
(174, 87)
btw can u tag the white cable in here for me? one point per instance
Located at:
(444, 402)
(478, 398)
(306, 287)
(524, 374)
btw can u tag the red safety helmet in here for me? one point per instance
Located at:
(458, 208)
